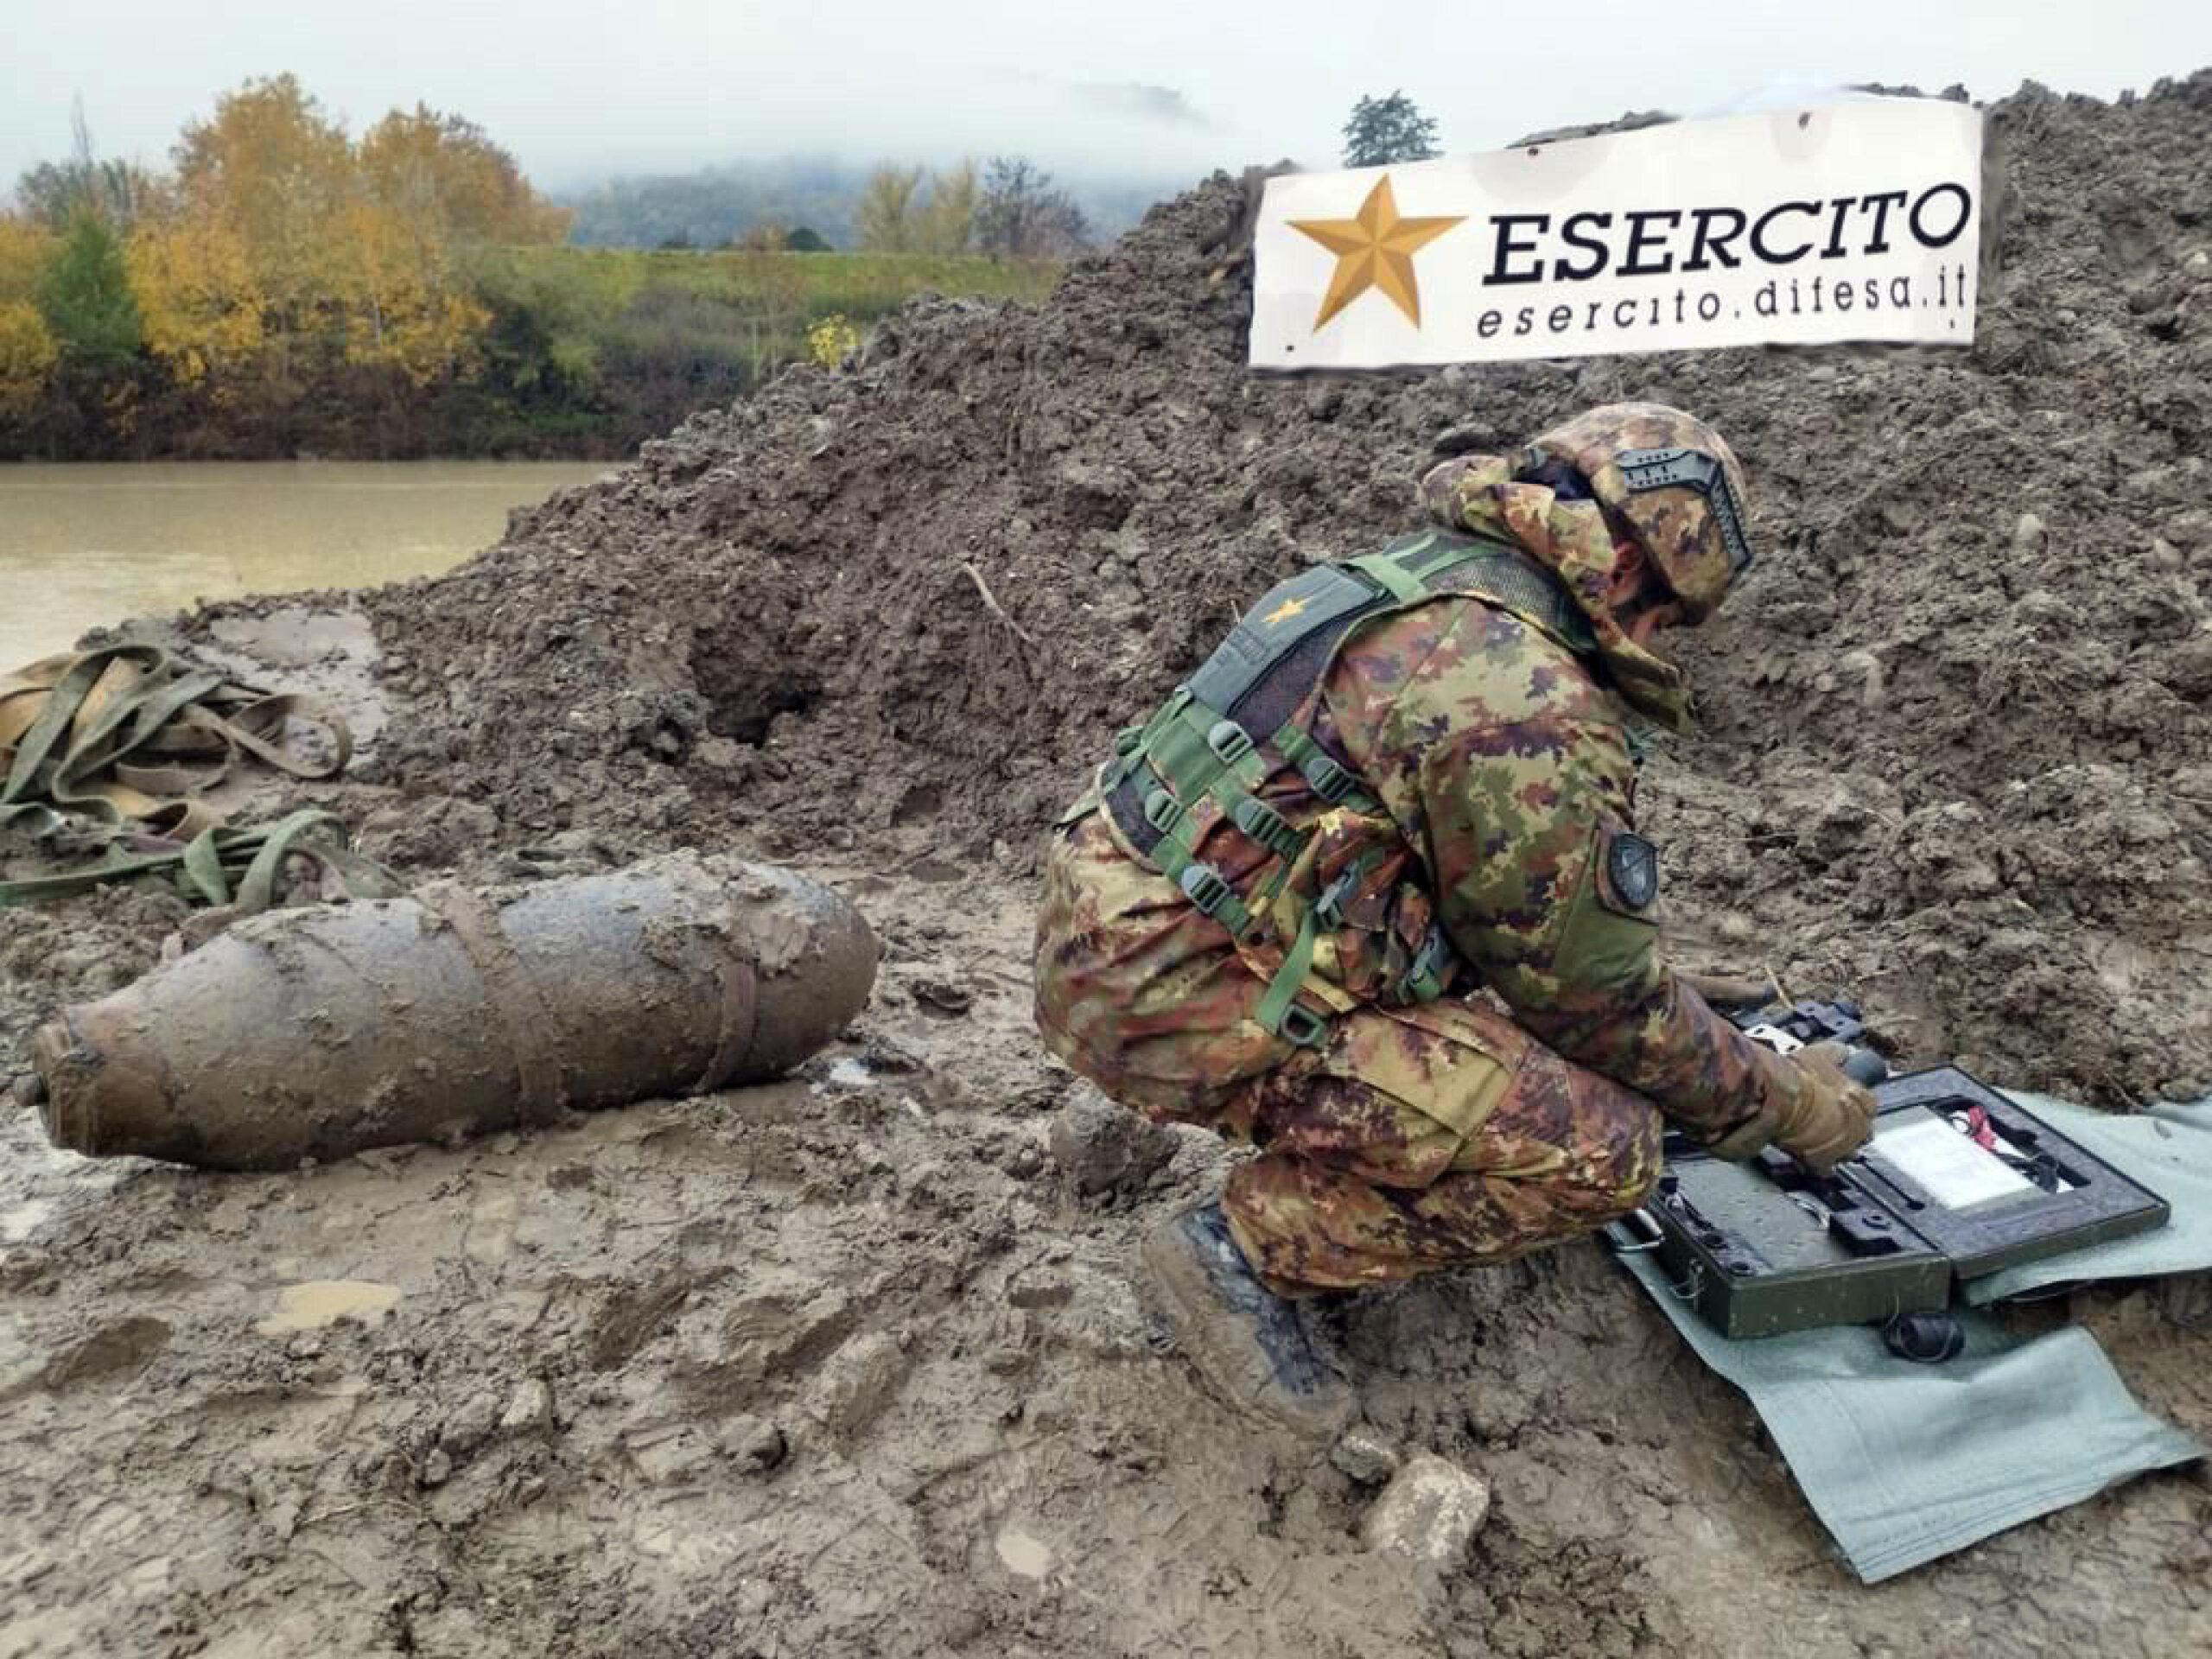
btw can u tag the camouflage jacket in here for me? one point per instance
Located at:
(1498, 750)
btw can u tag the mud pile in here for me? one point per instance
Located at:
(1955, 752)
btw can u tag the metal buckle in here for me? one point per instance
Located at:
(1205, 887)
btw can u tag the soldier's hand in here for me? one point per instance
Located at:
(1727, 990)
(1831, 1116)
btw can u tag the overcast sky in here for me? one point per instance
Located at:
(581, 89)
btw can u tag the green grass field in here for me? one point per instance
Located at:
(620, 343)
(605, 283)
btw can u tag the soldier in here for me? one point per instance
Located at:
(1367, 893)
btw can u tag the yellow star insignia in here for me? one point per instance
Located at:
(1374, 250)
(1283, 613)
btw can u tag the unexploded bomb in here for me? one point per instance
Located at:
(317, 1032)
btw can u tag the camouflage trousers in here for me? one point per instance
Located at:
(1418, 1139)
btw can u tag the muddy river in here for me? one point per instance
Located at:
(83, 545)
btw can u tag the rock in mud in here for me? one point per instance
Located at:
(754, 1444)
(1430, 1511)
(1364, 1456)
(1105, 1147)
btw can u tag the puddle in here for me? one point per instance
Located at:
(325, 1301)
(849, 1073)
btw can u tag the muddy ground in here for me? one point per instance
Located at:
(856, 1362)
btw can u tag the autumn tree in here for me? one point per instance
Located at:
(1383, 130)
(948, 219)
(29, 351)
(277, 173)
(444, 176)
(1022, 215)
(886, 221)
(403, 311)
(199, 305)
(434, 188)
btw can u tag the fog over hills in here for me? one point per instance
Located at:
(585, 90)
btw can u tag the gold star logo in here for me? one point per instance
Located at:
(1283, 613)
(1375, 249)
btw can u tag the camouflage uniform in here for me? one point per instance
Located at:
(1525, 1106)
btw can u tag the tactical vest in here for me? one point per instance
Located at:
(1223, 732)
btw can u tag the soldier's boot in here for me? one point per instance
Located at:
(1248, 1343)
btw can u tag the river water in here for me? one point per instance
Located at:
(83, 545)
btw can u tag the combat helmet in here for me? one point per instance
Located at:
(1666, 479)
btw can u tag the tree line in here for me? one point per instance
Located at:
(281, 269)
(1013, 211)
(811, 203)
(286, 287)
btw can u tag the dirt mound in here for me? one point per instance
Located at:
(1955, 752)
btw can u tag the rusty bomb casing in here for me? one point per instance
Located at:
(317, 1032)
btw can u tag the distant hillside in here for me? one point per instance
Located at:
(716, 206)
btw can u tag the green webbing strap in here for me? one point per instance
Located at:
(1386, 572)
(1327, 776)
(1185, 754)
(1176, 853)
(1297, 962)
(238, 866)
(1135, 743)
(31, 770)
(165, 710)
(147, 708)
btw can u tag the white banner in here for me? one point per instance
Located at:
(1854, 221)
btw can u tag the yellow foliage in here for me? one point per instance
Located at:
(197, 300)
(403, 309)
(24, 250)
(277, 173)
(886, 217)
(948, 221)
(444, 173)
(831, 340)
(27, 354)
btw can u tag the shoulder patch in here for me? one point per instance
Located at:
(1633, 864)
